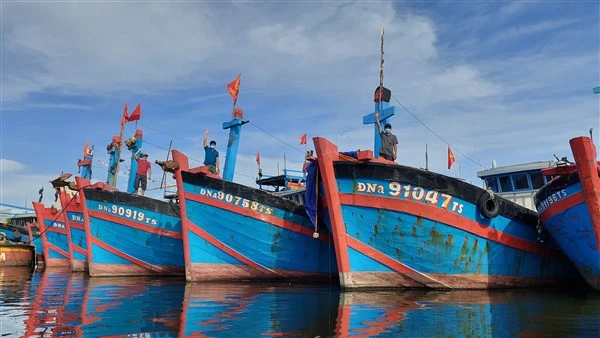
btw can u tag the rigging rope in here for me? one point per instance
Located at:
(433, 132)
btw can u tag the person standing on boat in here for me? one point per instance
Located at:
(389, 141)
(211, 155)
(143, 172)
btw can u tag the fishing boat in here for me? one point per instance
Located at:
(35, 239)
(129, 234)
(399, 226)
(15, 254)
(233, 232)
(71, 204)
(53, 232)
(569, 208)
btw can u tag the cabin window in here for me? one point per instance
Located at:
(505, 183)
(520, 181)
(492, 183)
(537, 179)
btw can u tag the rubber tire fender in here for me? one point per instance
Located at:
(488, 207)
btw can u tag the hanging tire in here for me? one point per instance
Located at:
(488, 207)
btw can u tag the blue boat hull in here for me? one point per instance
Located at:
(131, 235)
(233, 232)
(398, 226)
(569, 208)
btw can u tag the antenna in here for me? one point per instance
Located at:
(478, 159)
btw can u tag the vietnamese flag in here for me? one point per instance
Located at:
(233, 88)
(137, 113)
(451, 158)
(86, 148)
(125, 116)
(257, 157)
(303, 139)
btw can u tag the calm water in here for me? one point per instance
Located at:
(55, 303)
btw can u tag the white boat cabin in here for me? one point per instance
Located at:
(517, 183)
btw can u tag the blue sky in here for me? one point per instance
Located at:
(497, 80)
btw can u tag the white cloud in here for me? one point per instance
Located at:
(22, 189)
(513, 8)
(151, 47)
(524, 30)
(10, 166)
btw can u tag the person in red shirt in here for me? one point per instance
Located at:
(143, 173)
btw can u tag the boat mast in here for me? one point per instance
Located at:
(381, 69)
(119, 149)
(382, 105)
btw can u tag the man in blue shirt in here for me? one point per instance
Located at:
(211, 155)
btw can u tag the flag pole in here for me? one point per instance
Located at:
(258, 162)
(120, 147)
(163, 182)
(426, 158)
(306, 147)
(381, 69)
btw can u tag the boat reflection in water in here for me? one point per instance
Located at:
(60, 303)
(466, 313)
(237, 310)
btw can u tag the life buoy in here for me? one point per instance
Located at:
(488, 206)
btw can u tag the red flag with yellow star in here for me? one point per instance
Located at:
(303, 138)
(125, 116)
(233, 88)
(451, 158)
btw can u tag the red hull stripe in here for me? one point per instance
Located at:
(131, 224)
(585, 154)
(445, 217)
(220, 245)
(77, 226)
(57, 249)
(57, 230)
(392, 263)
(255, 215)
(562, 205)
(126, 256)
(78, 249)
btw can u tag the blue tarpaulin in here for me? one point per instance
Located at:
(310, 198)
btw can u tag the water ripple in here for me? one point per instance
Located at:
(60, 303)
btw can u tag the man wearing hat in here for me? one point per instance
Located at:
(143, 173)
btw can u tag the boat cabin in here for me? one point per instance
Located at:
(517, 183)
(290, 185)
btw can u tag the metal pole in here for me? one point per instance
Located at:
(120, 147)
